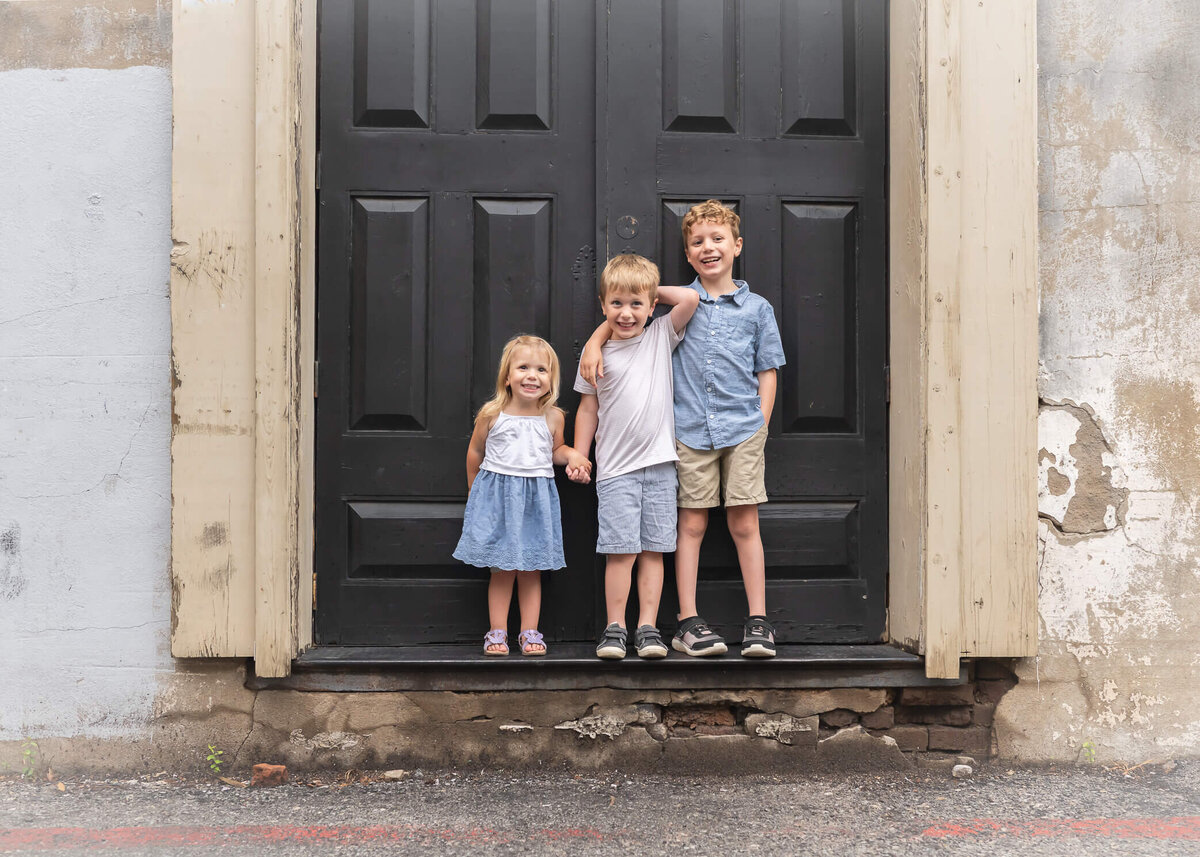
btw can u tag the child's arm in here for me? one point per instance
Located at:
(684, 301)
(476, 449)
(586, 420)
(579, 468)
(768, 357)
(767, 380)
(591, 362)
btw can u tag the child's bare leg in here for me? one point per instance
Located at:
(650, 584)
(500, 587)
(617, 574)
(529, 599)
(692, 524)
(743, 527)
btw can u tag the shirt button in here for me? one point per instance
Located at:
(712, 333)
(708, 361)
(712, 416)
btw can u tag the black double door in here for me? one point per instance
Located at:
(478, 159)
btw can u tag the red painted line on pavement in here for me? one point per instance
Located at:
(1185, 827)
(60, 838)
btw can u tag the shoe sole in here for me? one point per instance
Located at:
(652, 652)
(757, 651)
(715, 649)
(610, 654)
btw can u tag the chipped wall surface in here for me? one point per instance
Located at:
(84, 367)
(1119, 426)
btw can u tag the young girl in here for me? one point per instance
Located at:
(512, 522)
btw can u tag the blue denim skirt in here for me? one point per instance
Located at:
(512, 523)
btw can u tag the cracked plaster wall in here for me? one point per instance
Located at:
(84, 367)
(1119, 468)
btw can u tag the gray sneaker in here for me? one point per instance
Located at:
(758, 638)
(648, 642)
(695, 638)
(612, 643)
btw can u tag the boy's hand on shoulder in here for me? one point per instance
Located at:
(591, 363)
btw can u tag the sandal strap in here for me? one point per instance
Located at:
(531, 635)
(697, 627)
(496, 637)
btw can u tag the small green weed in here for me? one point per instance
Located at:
(214, 759)
(29, 754)
(1088, 752)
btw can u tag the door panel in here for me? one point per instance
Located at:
(780, 115)
(473, 153)
(457, 195)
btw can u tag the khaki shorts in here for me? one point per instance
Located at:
(735, 470)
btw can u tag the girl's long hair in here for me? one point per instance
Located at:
(503, 394)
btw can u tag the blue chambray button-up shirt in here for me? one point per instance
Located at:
(729, 340)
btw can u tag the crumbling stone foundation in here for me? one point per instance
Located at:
(711, 731)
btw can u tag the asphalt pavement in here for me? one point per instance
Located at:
(1153, 809)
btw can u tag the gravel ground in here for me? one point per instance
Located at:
(1151, 810)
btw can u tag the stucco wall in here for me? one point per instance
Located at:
(1119, 426)
(84, 366)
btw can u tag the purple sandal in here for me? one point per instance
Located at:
(530, 638)
(495, 637)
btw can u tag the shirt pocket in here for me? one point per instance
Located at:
(740, 342)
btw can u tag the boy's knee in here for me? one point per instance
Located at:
(743, 521)
(692, 523)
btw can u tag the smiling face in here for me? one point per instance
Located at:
(626, 312)
(529, 375)
(711, 249)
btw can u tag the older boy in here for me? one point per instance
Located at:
(725, 379)
(629, 411)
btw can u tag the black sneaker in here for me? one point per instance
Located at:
(612, 643)
(695, 638)
(648, 642)
(758, 638)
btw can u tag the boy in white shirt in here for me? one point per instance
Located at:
(631, 415)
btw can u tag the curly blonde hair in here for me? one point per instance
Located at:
(711, 211)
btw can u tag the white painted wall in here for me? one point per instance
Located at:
(85, 194)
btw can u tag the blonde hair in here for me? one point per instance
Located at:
(630, 273)
(711, 211)
(504, 396)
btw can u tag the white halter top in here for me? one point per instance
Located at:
(519, 446)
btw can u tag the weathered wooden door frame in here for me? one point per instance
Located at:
(962, 309)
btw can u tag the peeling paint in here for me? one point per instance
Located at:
(12, 581)
(102, 34)
(1080, 487)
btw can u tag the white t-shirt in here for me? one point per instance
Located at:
(637, 401)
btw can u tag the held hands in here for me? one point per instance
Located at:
(591, 363)
(579, 468)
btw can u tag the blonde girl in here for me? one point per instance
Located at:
(512, 522)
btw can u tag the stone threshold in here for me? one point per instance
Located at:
(574, 666)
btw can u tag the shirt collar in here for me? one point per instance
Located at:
(738, 296)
